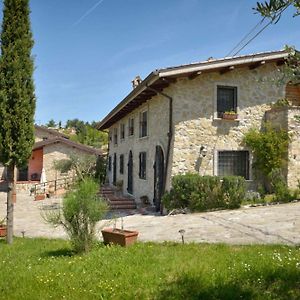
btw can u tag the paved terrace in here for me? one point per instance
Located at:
(260, 225)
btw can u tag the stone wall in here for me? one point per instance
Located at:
(196, 123)
(157, 135)
(55, 152)
(288, 118)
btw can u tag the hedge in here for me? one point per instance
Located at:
(201, 193)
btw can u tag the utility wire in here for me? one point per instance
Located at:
(274, 19)
(246, 36)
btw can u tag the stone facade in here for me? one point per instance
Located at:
(55, 152)
(195, 124)
(157, 110)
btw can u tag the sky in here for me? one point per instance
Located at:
(87, 52)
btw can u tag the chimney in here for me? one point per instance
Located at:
(136, 81)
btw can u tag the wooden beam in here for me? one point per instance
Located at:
(227, 69)
(257, 65)
(195, 75)
(280, 62)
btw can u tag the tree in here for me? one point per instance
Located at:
(17, 97)
(51, 123)
(272, 9)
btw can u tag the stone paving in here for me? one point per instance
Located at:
(278, 224)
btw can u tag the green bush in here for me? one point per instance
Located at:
(82, 209)
(281, 191)
(200, 193)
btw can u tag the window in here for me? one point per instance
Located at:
(143, 123)
(45, 138)
(121, 164)
(122, 131)
(226, 99)
(109, 163)
(142, 169)
(110, 136)
(131, 126)
(115, 136)
(233, 163)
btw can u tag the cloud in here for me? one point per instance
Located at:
(88, 12)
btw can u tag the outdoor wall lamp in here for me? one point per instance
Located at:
(182, 232)
(203, 151)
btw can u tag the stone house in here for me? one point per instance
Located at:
(175, 121)
(50, 146)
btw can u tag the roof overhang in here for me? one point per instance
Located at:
(160, 79)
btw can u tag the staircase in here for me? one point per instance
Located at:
(115, 201)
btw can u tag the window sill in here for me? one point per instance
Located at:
(226, 120)
(144, 137)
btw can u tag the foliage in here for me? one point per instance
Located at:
(269, 147)
(51, 123)
(82, 209)
(90, 136)
(280, 188)
(281, 103)
(82, 165)
(200, 193)
(272, 9)
(48, 270)
(86, 133)
(100, 172)
(17, 98)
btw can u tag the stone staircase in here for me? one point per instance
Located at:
(116, 201)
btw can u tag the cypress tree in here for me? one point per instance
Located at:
(17, 97)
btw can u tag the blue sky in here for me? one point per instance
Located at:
(87, 52)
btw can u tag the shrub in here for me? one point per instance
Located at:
(200, 193)
(82, 209)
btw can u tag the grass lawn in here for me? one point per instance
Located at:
(46, 269)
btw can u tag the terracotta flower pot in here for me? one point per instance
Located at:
(229, 116)
(3, 230)
(39, 197)
(120, 237)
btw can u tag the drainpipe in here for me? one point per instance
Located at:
(170, 135)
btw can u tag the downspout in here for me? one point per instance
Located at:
(170, 136)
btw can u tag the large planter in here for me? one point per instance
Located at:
(227, 116)
(120, 237)
(3, 230)
(39, 197)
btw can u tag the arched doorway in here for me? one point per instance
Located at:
(115, 169)
(159, 170)
(130, 174)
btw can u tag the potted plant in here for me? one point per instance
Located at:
(117, 236)
(3, 228)
(229, 115)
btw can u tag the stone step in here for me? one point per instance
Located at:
(121, 207)
(121, 202)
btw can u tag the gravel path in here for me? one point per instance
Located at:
(260, 225)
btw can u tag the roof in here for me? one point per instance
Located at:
(84, 148)
(162, 78)
(51, 131)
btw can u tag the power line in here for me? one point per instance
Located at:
(274, 19)
(246, 36)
